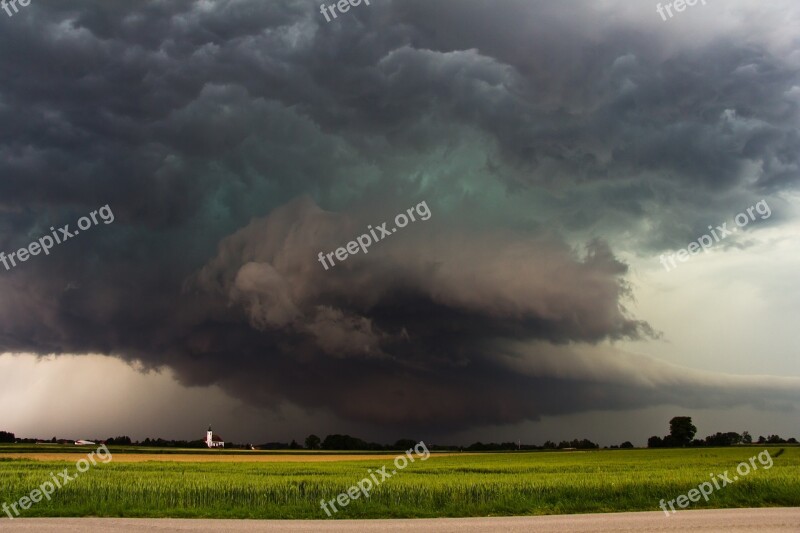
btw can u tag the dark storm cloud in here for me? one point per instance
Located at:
(408, 333)
(200, 122)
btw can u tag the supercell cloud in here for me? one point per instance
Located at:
(235, 140)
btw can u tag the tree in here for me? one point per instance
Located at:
(746, 437)
(6, 436)
(313, 442)
(343, 442)
(655, 442)
(626, 444)
(723, 439)
(404, 444)
(682, 430)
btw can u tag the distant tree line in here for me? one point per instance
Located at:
(682, 432)
(349, 443)
(162, 443)
(775, 439)
(313, 442)
(346, 442)
(625, 445)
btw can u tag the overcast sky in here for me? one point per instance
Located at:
(561, 149)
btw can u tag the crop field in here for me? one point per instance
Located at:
(212, 458)
(443, 486)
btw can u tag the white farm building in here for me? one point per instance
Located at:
(213, 441)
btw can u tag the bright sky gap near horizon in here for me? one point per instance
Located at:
(563, 147)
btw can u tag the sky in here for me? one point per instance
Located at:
(536, 164)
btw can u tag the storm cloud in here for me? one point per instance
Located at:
(235, 140)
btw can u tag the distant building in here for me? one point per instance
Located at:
(213, 441)
(83, 443)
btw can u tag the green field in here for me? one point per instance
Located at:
(468, 485)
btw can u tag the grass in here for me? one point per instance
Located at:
(469, 485)
(72, 449)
